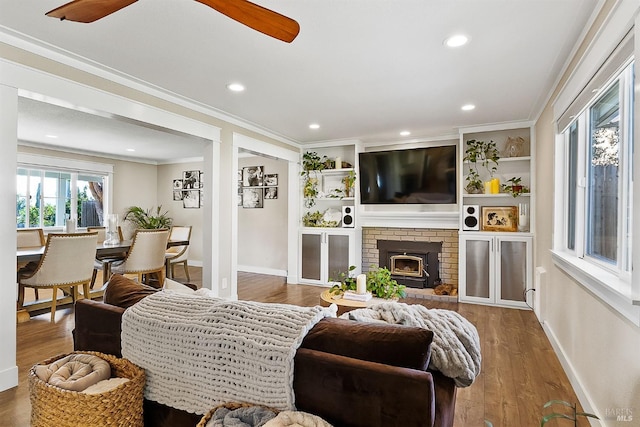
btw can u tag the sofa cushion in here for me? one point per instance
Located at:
(124, 292)
(396, 345)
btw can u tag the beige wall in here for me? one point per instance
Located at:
(180, 215)
(262, 233)
(600, 348)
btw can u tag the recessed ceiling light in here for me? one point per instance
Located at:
(52, 136)
(457, 40)
(405, 133)
(235, 87)
(131, 149)
(468, 107)
(314, 126)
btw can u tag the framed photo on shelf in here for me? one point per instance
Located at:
(499, 218)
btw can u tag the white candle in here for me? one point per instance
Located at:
(338, 163)
(361, 284)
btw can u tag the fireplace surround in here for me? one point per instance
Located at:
(413, 264)
(448, 256)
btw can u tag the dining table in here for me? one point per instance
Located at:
(103, 250)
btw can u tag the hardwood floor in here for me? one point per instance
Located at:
(520, 371)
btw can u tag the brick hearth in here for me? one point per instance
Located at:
(448, 258)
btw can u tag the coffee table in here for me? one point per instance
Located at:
(345, 305)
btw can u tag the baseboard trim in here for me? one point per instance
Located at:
(262, 270)
(9, 378)
(584, 398)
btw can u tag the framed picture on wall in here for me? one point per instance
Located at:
(271, 193)
(270, 179)
(177, 184)
(252, 197)
(177, 195)
(190, 180)
(191, 199)
(252, 176)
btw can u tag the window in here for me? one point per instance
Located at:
(597, 167)
(47, 196)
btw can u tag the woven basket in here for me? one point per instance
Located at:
(121, 406)
(231, 406)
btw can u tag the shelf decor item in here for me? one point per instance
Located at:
(312, 163)
(499, 218)
(514, 146)
(349, 180)
(514, 187)
(480, 154)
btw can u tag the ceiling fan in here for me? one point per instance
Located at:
(257, 17)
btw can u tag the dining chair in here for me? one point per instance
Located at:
(103, 262)
(145, 256)
(178, 254)
(102, 233)
(67, 263)
(29, 238)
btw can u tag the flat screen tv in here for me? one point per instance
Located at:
(413, 176)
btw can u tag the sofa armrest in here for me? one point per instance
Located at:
(354, 393)
(98, 327)
(445, 390)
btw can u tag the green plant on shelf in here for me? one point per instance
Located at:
(514, 187)
(480, 154)
(311, 162)
(349, 181)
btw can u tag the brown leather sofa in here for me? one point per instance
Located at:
(351, 374)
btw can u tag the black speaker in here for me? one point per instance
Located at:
(348, 219)
(471, 217)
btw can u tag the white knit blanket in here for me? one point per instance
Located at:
(455, 350)
(199, 352)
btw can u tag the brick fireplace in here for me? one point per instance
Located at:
(448, 258)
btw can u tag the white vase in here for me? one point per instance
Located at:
(523, 217)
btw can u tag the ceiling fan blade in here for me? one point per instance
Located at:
(88, 10)
(257, 17)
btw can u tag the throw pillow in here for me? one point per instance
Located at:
(395, 345)
(124, 292)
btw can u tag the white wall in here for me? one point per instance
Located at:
(262, 233)
(8, 136)
(599, 348)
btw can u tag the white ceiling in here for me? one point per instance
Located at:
(363, 69)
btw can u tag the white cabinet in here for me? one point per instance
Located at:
(326, 252)
(496, 268)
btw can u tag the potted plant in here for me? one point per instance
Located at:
(480, 154)
(146, 219)
(382, 285)
(514, 187)
(311, 164)
(349, 180)
(346, 280)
